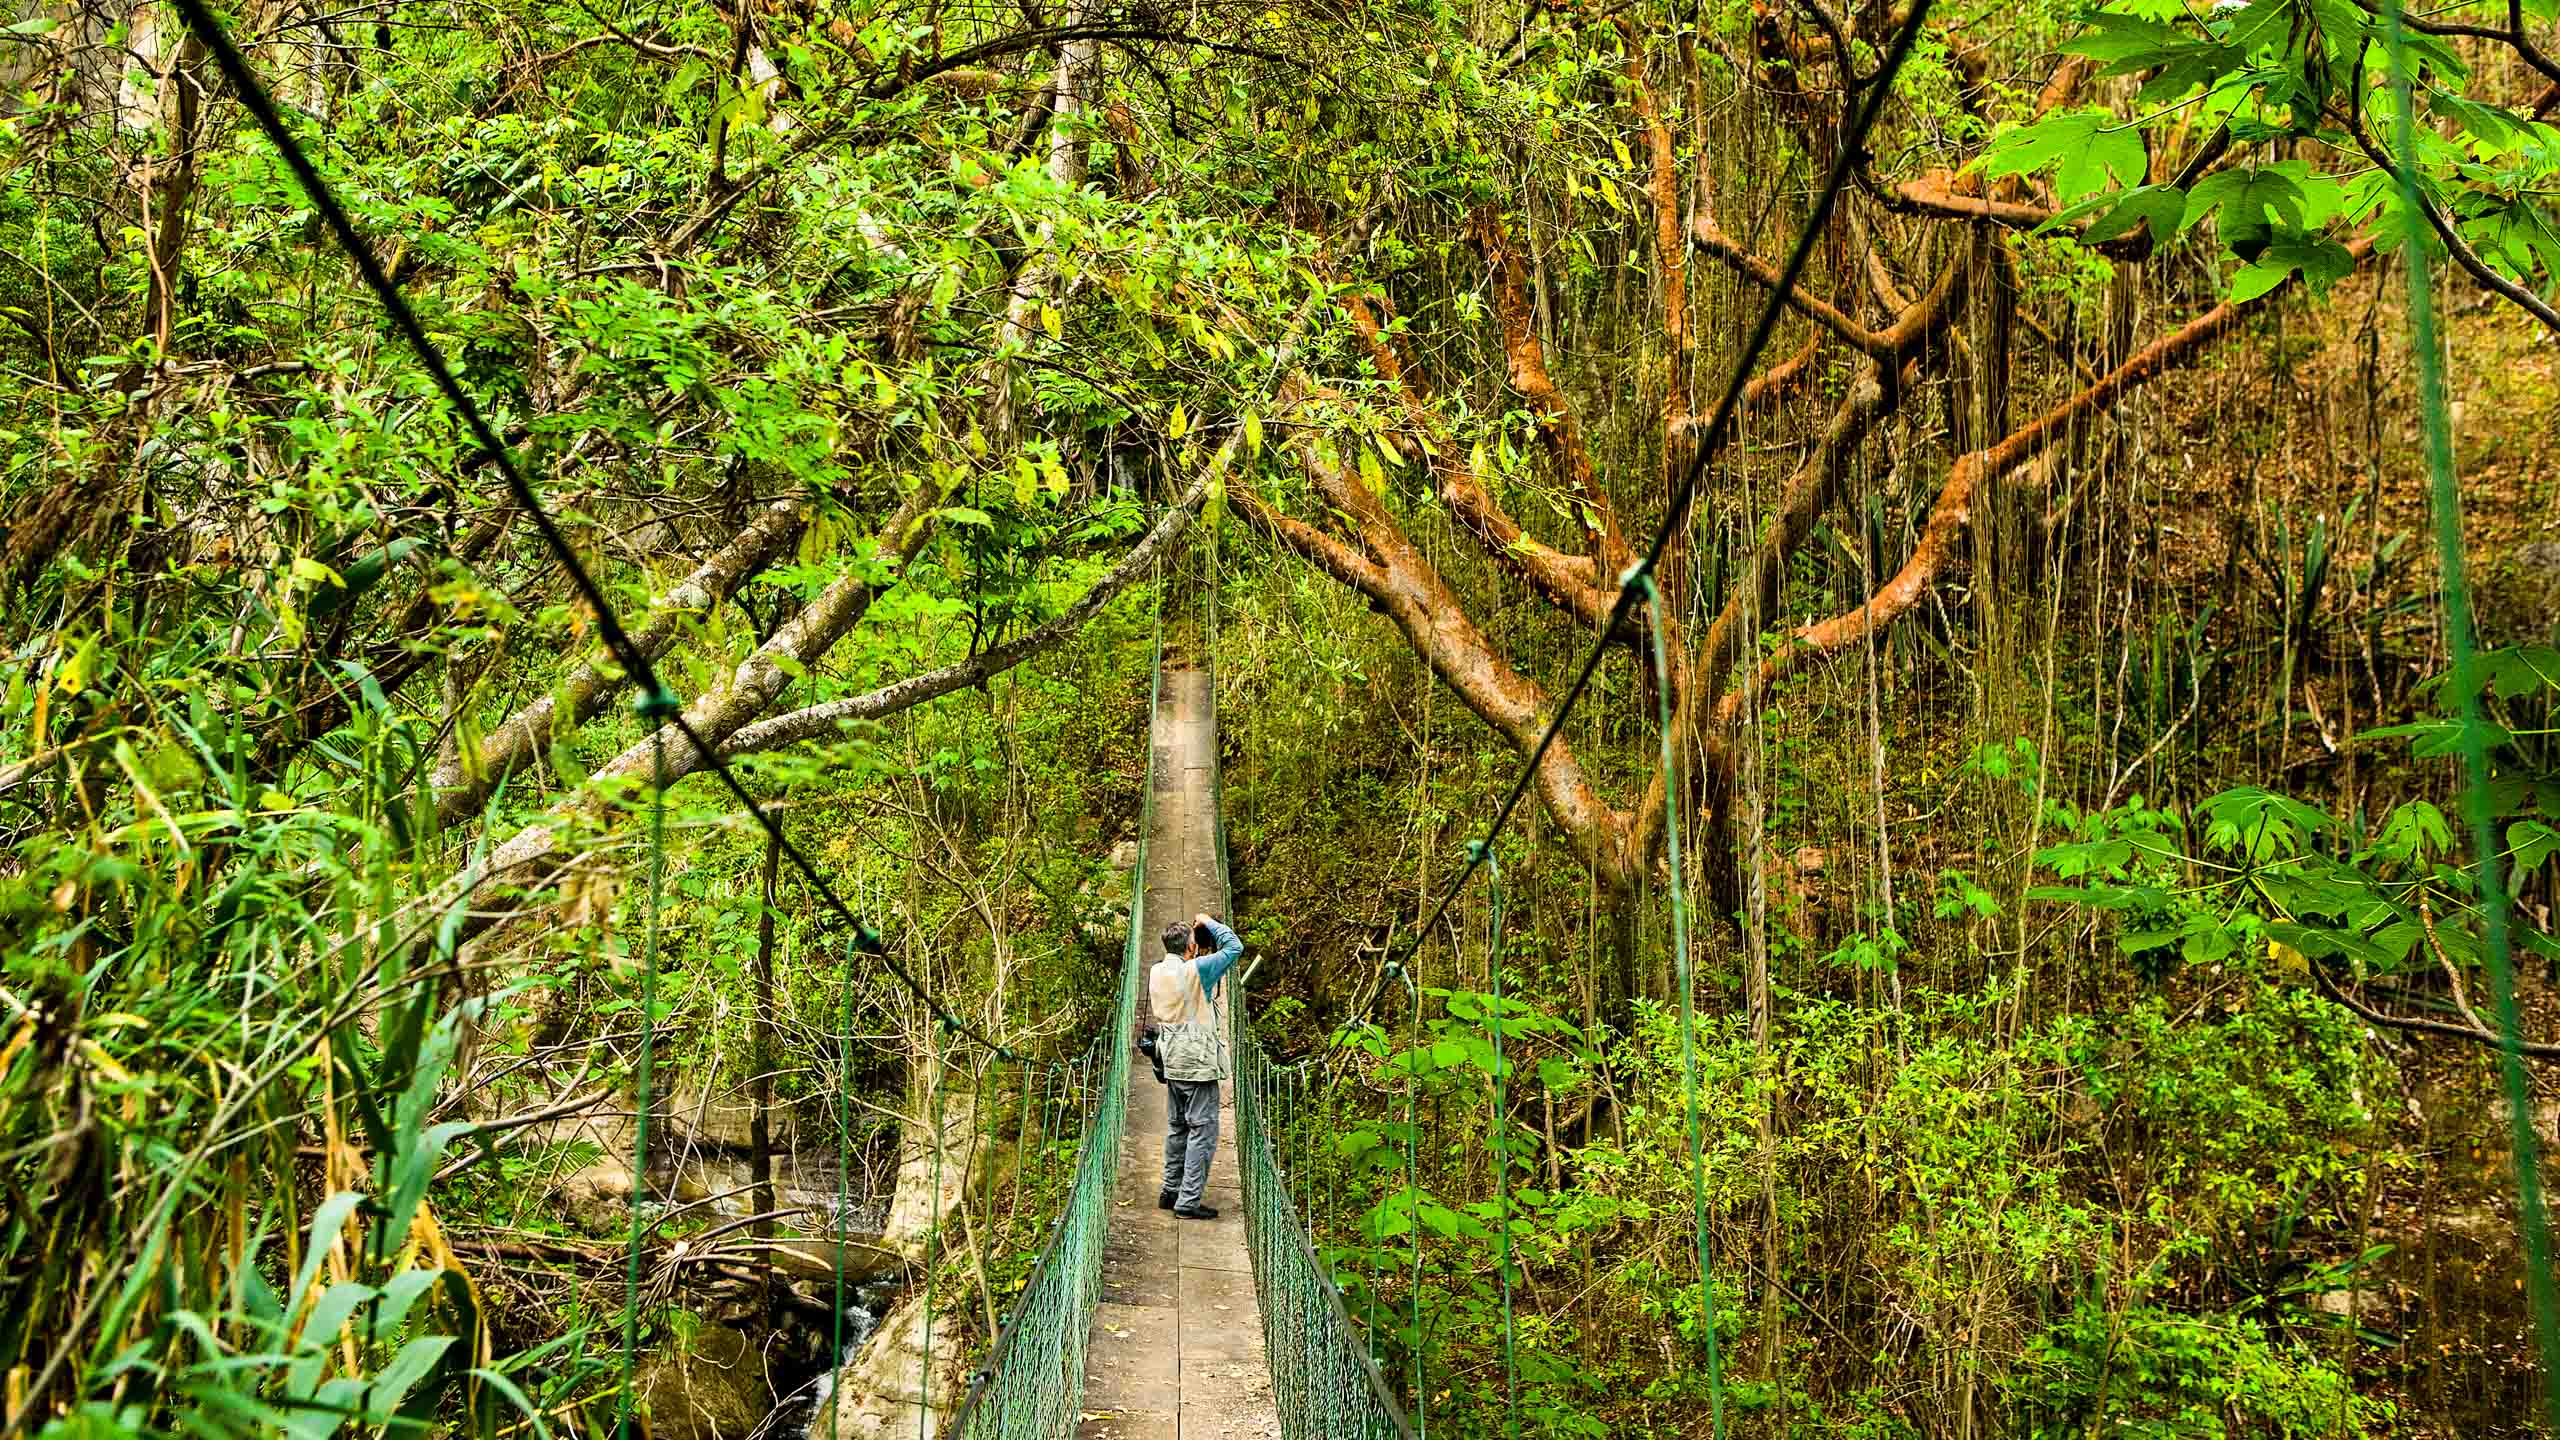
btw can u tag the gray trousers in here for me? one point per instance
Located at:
(1190, 1137)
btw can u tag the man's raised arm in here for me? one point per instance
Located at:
(1215, 965)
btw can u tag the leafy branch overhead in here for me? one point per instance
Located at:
(2310, 75)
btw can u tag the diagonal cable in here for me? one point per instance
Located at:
(1852, 153)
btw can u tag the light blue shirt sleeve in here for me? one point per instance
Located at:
(1214, 966)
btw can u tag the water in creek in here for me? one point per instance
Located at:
(801, 1412)
(811, 1182)
(826, 1194)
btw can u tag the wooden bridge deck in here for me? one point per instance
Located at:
(1176, 1350)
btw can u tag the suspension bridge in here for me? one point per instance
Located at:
(1135, 1324)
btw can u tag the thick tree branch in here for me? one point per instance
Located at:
(2460, 249)
(463, 786)
(532, 856)
(1710, 238)
(1559, 429)
(1671, 261)
(1567, 581)
(2424, 1026)
(818, 721)
(1663, 188)
(1808, 493)
(1952, 512)
(1383, 564)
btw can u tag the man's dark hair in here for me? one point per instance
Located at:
(1174, 938)
(1203, 938)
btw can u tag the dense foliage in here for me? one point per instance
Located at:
(2090, 956)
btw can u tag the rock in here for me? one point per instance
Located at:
(919, 1203)
(1124, 856)
(598, 1198)
(894, 1384)
(2519, 595)
(725, 1118)
(2368, 1306)
(709, 1387)
(2371, 1305)
(866, 1260)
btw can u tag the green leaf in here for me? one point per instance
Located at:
(2416, 830)
(364, 574)
(2130, 44)
(2531, 842)
(406, 1369)
(2085, 149)
(682, 82)
(2434, 739)
(2252, 281)
(2263, 824)
(2249, 201)
(2162, 207)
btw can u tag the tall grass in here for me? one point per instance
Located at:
(225, 1011)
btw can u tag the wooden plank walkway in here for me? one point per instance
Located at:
(1176, 1350)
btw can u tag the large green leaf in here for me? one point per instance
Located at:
(2162, 207)
(2178, 61)
(2249, 200)
(2321, 262)
(2086, 150)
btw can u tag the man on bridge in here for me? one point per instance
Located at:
(1182, 994)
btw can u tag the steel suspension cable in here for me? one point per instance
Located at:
(938, 1075)
(844, 1190)
(1413, 1188)
(1639, 580)
(2435, 420)
(656, 702)
(1482, 853)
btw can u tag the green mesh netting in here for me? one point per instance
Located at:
(1032, 1384)
(1322, 1376)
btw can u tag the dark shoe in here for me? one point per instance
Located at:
(1164, 1199)
(1196, 1212)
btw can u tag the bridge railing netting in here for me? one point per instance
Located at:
(1323, 1377)
(1031, 1385)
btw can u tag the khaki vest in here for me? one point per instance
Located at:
(1190, 1038)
